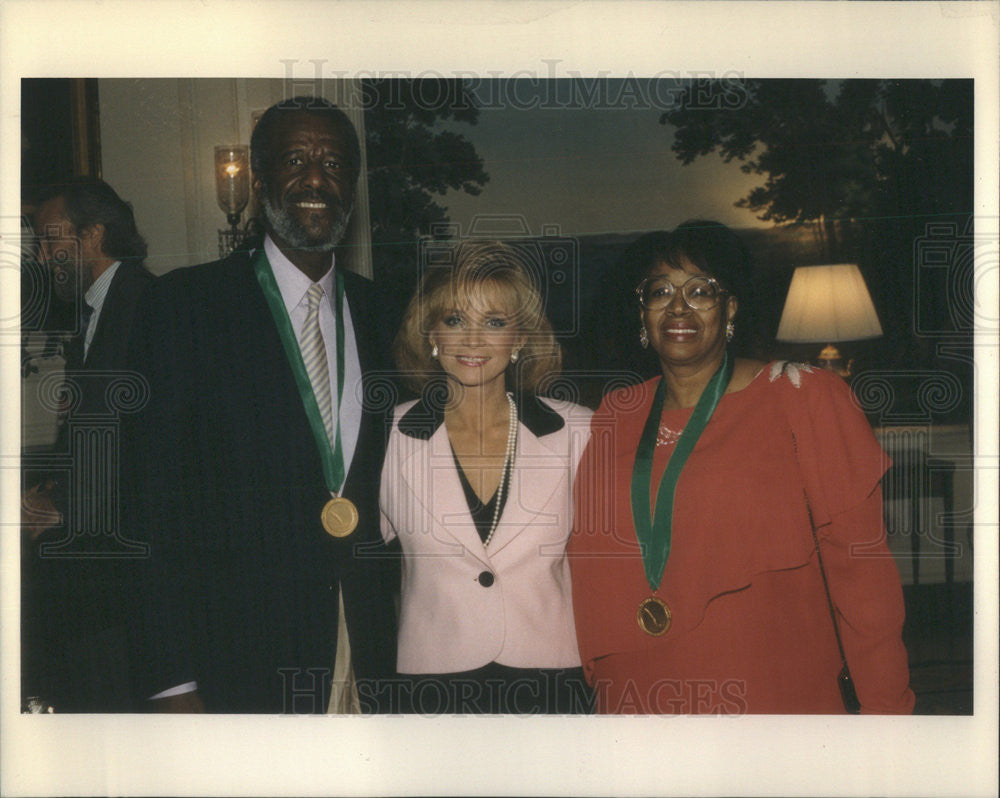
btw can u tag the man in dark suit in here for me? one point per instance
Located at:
(76, 554)
(258, 457)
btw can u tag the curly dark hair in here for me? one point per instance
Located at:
(715, 250)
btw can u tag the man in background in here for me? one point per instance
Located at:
(76, 555)
(258, 457)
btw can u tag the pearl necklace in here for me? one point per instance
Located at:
(508, 458)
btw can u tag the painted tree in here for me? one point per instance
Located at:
(412, 161)
(872, 163)
(831, 152)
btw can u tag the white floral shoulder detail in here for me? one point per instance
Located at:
(792, 370)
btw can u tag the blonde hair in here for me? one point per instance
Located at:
(480, 273)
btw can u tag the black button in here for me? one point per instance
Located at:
(486, 579)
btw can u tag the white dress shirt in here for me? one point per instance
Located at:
(95, 297)
(293, 285)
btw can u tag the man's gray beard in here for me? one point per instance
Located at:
(295, 235)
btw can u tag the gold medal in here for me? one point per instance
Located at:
(339, 517)
(653, 616)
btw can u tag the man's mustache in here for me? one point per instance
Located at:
(330, 200)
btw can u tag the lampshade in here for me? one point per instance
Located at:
(232, 178)
(827, 304)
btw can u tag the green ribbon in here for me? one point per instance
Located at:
(652, 531)
(333, 459)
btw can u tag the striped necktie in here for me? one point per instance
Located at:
(314, 357)
(343, 691)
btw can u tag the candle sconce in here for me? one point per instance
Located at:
(232, 190)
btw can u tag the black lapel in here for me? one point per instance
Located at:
(360, 299)
(422, 420)
(109, 345)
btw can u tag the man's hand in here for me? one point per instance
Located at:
(38, 511)
(183, 703)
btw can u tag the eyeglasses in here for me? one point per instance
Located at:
(699, 293)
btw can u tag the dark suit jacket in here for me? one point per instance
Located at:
(241, 586)
(76, 578)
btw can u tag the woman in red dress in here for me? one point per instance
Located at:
(698, 587)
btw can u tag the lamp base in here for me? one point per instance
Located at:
(831, 360)
(228, 239)
(235, 236)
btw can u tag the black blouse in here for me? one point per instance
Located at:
(482, 514)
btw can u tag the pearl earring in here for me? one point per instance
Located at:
(434, 352)
(644, 338)
(513, 356)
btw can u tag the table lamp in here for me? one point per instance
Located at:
(828, 304)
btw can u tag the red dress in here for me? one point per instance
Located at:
(751, 628)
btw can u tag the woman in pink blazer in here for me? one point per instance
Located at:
(477, 487)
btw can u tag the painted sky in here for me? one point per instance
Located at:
(594, 160)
